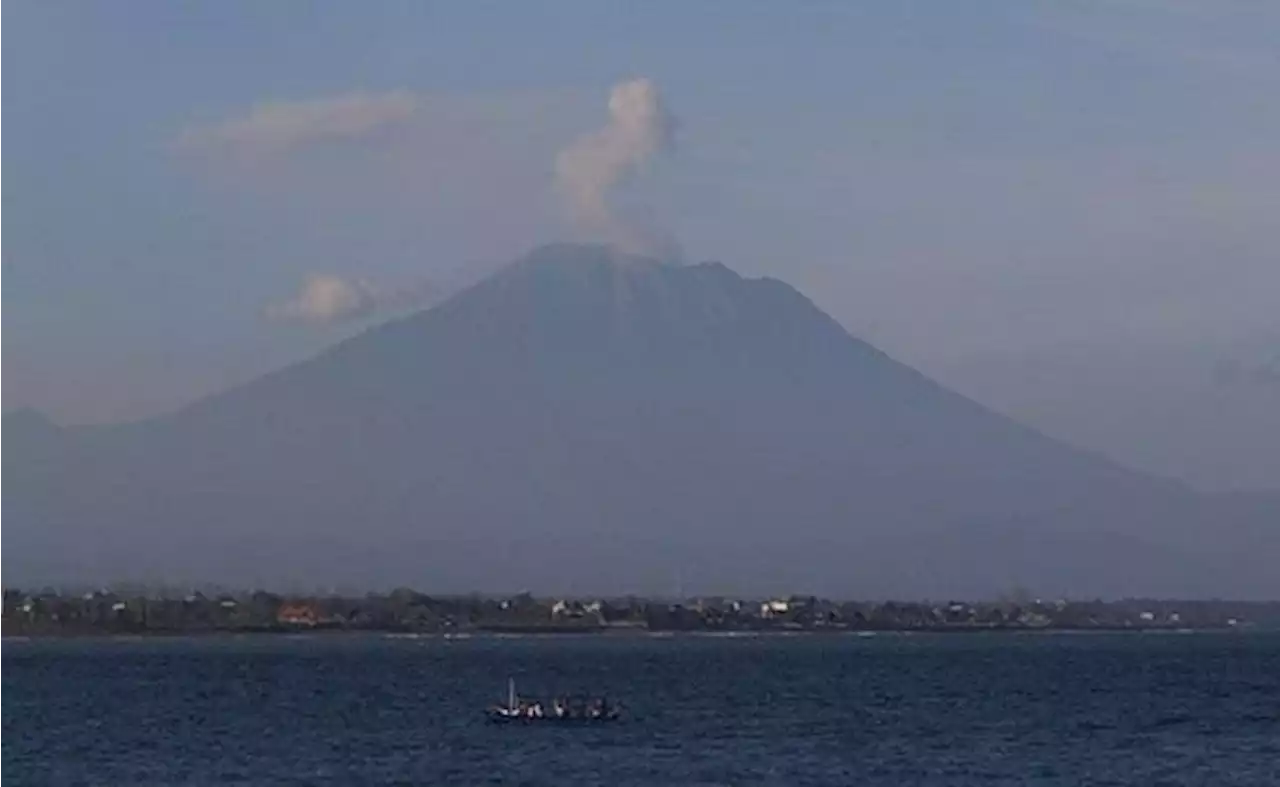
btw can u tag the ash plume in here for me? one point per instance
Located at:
(596, 164)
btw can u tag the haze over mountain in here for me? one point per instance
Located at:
(589, 421)
(1205, 413)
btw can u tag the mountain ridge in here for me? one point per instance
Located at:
(588, 418)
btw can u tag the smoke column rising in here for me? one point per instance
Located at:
(591, 168)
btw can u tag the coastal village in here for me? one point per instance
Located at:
(124, 611)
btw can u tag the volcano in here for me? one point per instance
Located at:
(586, 421)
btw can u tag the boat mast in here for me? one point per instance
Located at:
(511, 693)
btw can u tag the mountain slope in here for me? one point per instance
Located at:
(594, 422)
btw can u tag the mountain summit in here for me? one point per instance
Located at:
(588, 421)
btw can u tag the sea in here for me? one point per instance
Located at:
(890, 709)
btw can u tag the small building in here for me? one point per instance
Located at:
(297, 615)
(575, 609)
(774, 608)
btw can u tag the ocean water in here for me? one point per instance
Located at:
(999, 709)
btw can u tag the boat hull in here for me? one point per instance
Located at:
(502, 717)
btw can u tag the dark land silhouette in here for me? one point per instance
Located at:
(109, 612)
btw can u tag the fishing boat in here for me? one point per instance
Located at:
(566, 710)
(509, 712)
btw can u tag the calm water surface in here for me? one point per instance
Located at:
(1199, 709)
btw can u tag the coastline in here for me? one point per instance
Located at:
(606, 633)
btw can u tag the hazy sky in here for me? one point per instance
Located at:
(1065, 209)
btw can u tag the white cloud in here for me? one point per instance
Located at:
(326, 298)
(283, 126)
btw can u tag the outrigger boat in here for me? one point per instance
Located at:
(561, 711)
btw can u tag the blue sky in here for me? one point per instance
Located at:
(1092, 185)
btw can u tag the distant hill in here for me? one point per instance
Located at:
(593, 422)
(28, 427)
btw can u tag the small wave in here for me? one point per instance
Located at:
(1171, 721)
